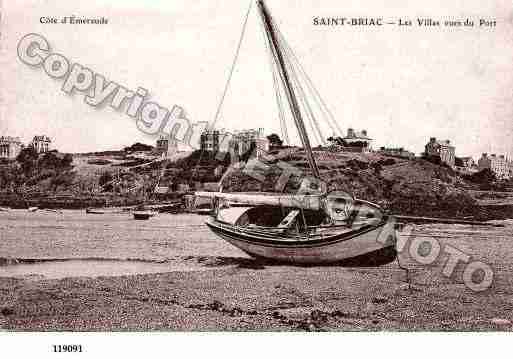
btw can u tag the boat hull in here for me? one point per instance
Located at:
(94, 211)
(142, 216)
(375, 245)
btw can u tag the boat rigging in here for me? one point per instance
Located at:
(320, 228)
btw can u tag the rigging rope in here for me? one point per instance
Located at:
(275, 58)
(226, 87)
(300, 92)
(330, 118)
(277, 88)
(280, 61)
(232, 68)
(314, 125)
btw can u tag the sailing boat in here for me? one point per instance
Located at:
(304, 228)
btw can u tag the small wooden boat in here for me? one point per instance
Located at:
(32, 209)
(203, 211)
(198, 205)
(166, 208)
(52, 210)
(3, 209)
(143, 215)
(95, 211)
(305, 230)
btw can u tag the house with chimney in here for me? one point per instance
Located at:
(398, 152)
(501, 166)
(356, 141)
(442, 150)
(41, 144)
(237, 143)
(465, 165)
(10, 147)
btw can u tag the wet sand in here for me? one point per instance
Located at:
(206, 284)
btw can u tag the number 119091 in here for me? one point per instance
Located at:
(67, 348)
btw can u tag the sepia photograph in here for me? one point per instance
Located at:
(257, 166)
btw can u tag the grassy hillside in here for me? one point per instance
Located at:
(415, 187)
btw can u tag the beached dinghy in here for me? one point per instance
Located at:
(307, 229)
(95, 211)
(143, 215)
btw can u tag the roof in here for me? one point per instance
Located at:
(358, 136)
(10, 139)
(446, 143)
(41, 138)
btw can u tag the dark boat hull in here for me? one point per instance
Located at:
(142, 216)
(94, 211)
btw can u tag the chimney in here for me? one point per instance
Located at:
(364, 132)
(350, 132)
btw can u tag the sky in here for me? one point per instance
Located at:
(403, 84)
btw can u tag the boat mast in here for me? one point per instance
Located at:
(289, 90)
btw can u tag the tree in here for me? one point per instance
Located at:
(139, 147)
(56, 161)
(339, 141)
(105, 181)
(27, 154)
(483, 177)
(27, 158)
(458, 162)
(67, 160)
(275, 140)
(64, 179)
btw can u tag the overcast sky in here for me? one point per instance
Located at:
(403, 85)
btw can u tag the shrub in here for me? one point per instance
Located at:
(99, 162)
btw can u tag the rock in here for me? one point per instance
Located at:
(379, 299)
(319, 316)
(369, 308)
(215, 305)
(407, 288)
(339, 314)
(277, 315)
(299, 313)
(307, 326)
(7, 311)
(3, 325)
(8, 261)
(500, 321)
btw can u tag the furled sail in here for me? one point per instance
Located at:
(313, 202)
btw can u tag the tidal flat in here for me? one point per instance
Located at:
(73, 271)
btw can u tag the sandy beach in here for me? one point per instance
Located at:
(79, 272)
